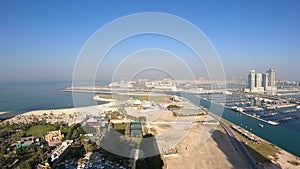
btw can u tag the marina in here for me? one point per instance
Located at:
(285, 132)
(268, 109)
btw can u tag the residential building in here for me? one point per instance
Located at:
(28, 141)
(262, 83)
(251, 79)
(54, 136)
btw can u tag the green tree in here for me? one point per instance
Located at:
(2, 160)
(25, 165)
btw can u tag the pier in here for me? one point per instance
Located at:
(246, 134)
(269, 109)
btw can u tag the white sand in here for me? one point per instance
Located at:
(88, 109)
(63, 114)
(3, 112)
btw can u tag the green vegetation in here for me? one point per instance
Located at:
(40, 130)
(113, 115)
(29, 157)
(295, 163)
(260, 152)
(131, 117)
(81, 144)
(147, 97)
(173, 107)
(121, 128)
(186, 115)
(158, 98)
(11, 133)
(227, 122)
(89, 129)
(152, 131)
(142, 119)
(74, 132)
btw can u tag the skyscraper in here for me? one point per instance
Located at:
(271, 77)
(262, 83)
(258, 80)
(251, 79)
(265, 81)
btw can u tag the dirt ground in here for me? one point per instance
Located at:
(216, 152)
(200, 146)
(284, 157)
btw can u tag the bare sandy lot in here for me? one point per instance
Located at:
(199, 146)
(216, 152)
(284, 157)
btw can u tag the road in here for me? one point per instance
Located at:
(236, 143)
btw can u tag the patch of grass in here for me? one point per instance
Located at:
(66, 130)
(187, 115)
(260, 152)
(121, 128)
(295, 163)
(146, 130)
(39, 130)
(173, 106)
(257, 155)
(138, 142)
(89, 129)
(124, 97)
(226, 122)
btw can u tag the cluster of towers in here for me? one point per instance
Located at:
(262, 83)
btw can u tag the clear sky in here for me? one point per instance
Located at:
(40, 40)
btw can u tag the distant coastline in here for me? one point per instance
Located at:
(3, 113)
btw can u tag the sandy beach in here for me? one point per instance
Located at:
(67, 115)
(217, 143)
(3, 112)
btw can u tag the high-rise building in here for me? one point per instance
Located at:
(271, 77)
(271, 87)
(265, 80)
(262, 83)
(251, 79)
(258, 80)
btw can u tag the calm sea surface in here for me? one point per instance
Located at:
(19, 98)
(286, 136)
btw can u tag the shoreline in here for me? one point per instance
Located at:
(4, 112)
(284, 155)
(283, 151)
(101, 99)
(78, 113)
(281, 157)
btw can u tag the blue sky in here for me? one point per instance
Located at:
(40, 40)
